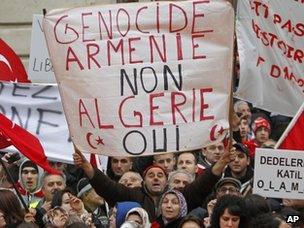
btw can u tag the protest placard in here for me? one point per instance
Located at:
(270, 45)
(40, 69)
(143, 78)
(279, 173)
(38, 109)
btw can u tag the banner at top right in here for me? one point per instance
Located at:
(270, 36)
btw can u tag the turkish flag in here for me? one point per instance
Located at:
(11, 67)
(25, 142)
(292, 138)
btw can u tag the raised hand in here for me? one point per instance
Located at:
(227, 157)
(81, 162)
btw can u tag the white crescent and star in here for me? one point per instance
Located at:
(94, 142)
(215, 132)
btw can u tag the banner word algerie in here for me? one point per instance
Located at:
(279, 173)
(37, 108)
(136, 79)
(276, 55)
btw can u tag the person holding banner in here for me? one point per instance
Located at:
(155, 181)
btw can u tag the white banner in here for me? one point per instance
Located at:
(138, 79)
(40, 69)
(270, 44)
(38, 109)
(279, 173)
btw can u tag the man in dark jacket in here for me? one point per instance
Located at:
(155, 182)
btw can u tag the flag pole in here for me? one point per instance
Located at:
(231, 109)
(289, 127)
(14, 185)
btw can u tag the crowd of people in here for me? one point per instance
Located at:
(209, 187)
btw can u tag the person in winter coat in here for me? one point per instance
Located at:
(29, 184)
(173, 207)
(154, 184)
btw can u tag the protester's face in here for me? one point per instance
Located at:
(213, 152)
(190, 224)
(120, 165)
(245, 110)
(135, 217)
(228, 220)
(244, 128)
(187, 162)
(2, 220)
(240, 163)
(166, 161)
(52, 183)
(261, 135)
(29, 177)
(170, 207)
(59, 218)
(269, 144)
(131, 180)
(155, 180)
(66, 199)
(179, 181)
(227, 189)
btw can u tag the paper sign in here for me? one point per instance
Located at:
(279, 173)
(143, 78)
(40, 68)
(38, 109)
(270, 44)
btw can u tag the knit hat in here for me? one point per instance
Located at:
(260, 122)
(83, 186)
(182, 202)
(29, 163)
(153, 166)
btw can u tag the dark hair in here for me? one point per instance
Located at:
(255, 205)
(77, 225)
(235, 206)
(191, 218)
(10, 207)
(57, 197)
(266, 220)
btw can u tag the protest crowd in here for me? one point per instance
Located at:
(209, 187)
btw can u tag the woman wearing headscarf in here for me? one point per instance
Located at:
(119, 212)
(140, 216)
(173, 208)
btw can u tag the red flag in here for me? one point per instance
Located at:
(25, 142)
(292, 138)
(11, 67)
